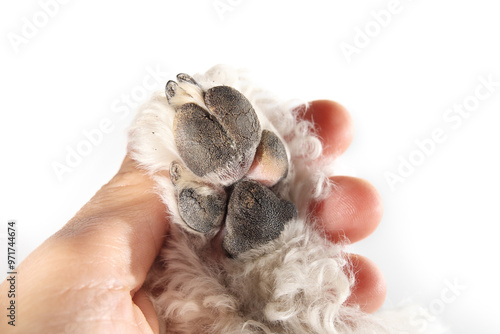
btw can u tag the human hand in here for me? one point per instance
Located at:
(88, 276)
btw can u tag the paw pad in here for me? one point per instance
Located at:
(202, 206)
(216, 131)
(255, 215)
(219, 138)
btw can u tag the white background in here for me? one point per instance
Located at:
(440, 227)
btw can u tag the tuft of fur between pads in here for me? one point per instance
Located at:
(295, 283)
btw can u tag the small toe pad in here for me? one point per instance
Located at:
(201, 212)
(270, 164)
(201, 206)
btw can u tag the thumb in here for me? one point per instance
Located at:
(98, 259)
(125, 219)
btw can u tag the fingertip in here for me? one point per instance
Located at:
(370, 289)
(333, 125)
(353, 210)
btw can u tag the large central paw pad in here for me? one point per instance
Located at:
(218, 136)
(226, 154)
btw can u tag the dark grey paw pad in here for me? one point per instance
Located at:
(237, 116)
(254, 216)
(201, 206)
(201, 141)
(201, 212)
(216, 132)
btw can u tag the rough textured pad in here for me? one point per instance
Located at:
(201, 206)
(221, 140)
(235, 113)
(237, 116)
(202, 142)
(201, 212)
(254, 216)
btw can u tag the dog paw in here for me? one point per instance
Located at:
(228, 164)
(229, 178)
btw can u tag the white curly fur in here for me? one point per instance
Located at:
(297, 283)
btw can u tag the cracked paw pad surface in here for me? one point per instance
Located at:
(228, 164)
